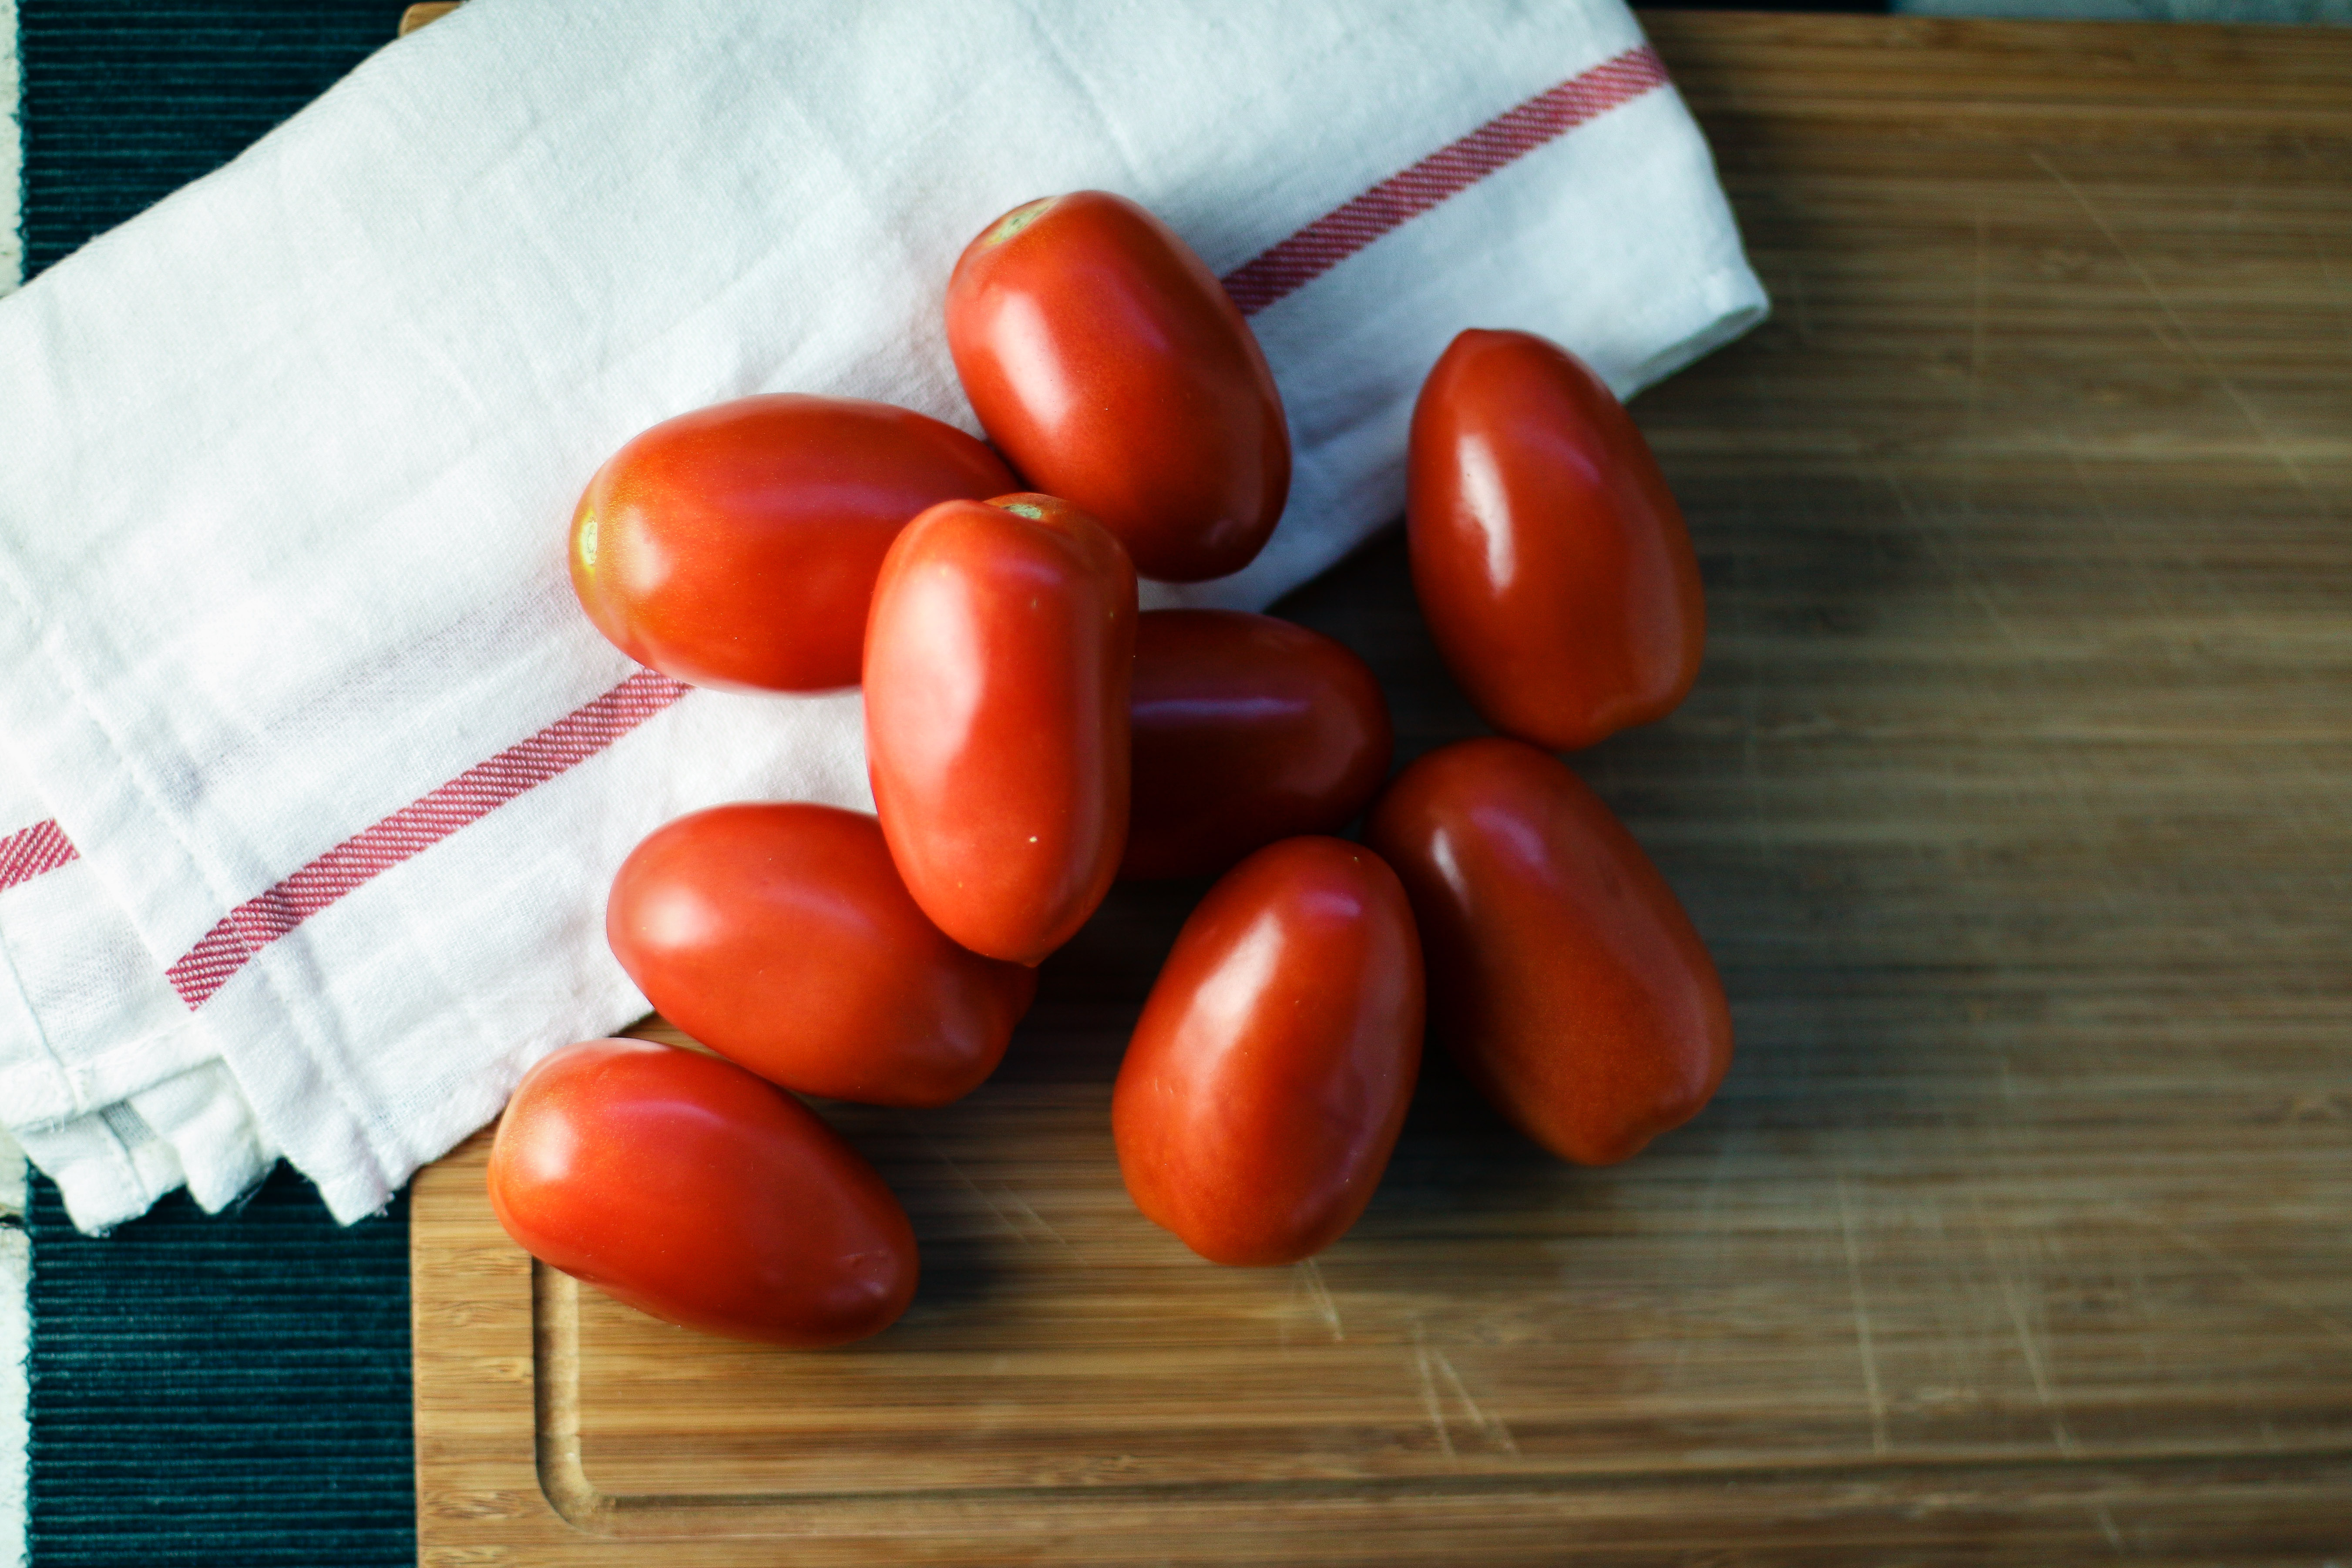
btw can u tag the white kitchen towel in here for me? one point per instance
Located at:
(321, 773)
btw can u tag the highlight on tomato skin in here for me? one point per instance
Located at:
(780, 935)
(998, 661)
(1564, 976)
(736, 546)
(1108, 363)
(682, 1185)
(1267, 1080)
(1246, 729)
(1550, 558)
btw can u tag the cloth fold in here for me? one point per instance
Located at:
(316, 774)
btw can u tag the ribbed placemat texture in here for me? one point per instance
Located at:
(206, 1390)
(221, 1390)
(126, 101)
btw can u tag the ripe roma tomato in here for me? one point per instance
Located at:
(997, 666)
(686, 1187)
(1247, 728)
(781, 937)
(1268, 1076)
(1550, 558)
(1563, 975)
(736, 546)
(1110, 366)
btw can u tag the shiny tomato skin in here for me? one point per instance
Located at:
(1550, 559)
(1564, 976)
(997, 666)
(688, 1188)
(1109, 364)
(1267, 1078)
(736, 546)
(1246, 729)
(781, 937)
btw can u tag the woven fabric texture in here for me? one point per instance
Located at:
(205, 1390)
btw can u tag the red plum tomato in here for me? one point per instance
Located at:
(736, 546)
(1246, 729)
(1550, 559)
(1267, 1078)
(997, 666)
(686, 1187)
(781, 937)
(1563, 974)
(1109, 364)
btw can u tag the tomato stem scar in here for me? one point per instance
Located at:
(1016, 220)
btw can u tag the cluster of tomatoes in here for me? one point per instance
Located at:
(1031, 738)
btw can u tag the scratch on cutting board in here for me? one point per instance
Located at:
(1020, 1233)
(1862, 1329)
(1034, 1217)
(1685, 1334)
(1490, 1426)
(1972, 449)
(2194, 350)
(1310, 1274)
(2334, 1326)
(2031, 1340)
(2107, 1528)
(1963, 579)
(973, 1187)
(1429, 1393)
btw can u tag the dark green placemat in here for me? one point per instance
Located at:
(230, 1390)
(219, 1390)
(124, 101)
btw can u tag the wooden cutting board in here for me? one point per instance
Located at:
(2016, 804)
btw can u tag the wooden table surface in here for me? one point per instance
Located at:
(2015, 802)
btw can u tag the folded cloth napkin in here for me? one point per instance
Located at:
(317, 774)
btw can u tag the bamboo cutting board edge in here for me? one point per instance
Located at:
(498, 1322)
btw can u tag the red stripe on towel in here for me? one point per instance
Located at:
(29, 851)
(1510, 135)
(470, 796)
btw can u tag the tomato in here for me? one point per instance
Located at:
(1268, 1076)
(1550, 559)
(1563, 974)
(1110, 366)
(686, 1187)
(1247, 728)
(737, 546)
(997, 668)
(781, 937)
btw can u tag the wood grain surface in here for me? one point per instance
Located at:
(2013, 803)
